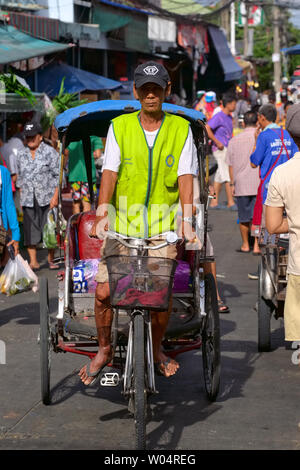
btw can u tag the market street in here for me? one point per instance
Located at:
(257, 407)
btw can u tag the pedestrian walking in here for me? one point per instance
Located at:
(219, 129)
(283, 195)
(77, 174)
(38, 172)
(244, 180)
(273, 147)
(8, 216)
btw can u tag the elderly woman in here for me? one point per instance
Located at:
(38, 172)
(8, 214)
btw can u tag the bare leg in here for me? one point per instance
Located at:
(256, 248)
(76, 207)
(217, 189)
(244, 229)
(86, 206)
(159, 321)
(230, 200)
(103, 318)
(50, 255)
(32, 255)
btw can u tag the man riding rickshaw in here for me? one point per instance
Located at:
(150, 160)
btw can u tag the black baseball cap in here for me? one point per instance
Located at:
(32, 128)
(151, 72)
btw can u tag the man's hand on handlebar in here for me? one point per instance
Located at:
(188, 233)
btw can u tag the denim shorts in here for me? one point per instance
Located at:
(245, 205)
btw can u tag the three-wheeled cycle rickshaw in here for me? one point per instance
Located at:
(194, 321)
(272, 283)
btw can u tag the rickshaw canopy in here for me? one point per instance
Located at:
(94, 118)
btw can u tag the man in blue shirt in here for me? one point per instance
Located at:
(274, 146)
(8, 214)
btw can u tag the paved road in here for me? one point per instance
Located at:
(258, 404)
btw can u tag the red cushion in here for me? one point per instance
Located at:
(88, 247)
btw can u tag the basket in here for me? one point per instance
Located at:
(140, 281)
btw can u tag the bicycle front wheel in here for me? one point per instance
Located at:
(211, 355)
(140, 392)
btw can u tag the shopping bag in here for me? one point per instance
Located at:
(17, 276)
(49, 231)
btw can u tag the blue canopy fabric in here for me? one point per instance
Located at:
(232, 71)
(106, 110)
(76, 80)
(293, 50)
(16, 45)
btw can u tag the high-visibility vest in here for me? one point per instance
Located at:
(146, 196)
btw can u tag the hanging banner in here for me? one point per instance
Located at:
(255, 15)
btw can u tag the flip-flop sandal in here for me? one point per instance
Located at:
(95, 374)
(35, 268)
(222, 308)
(242, 251)
(161, 367)
(53, 266)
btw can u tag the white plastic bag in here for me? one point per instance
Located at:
(17, 277)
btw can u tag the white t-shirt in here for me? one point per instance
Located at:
(188, 164)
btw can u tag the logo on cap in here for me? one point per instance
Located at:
(29, 127)
(151, 70)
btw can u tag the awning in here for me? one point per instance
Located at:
(15, 46)
(293, 50)
(76, 80)
(232, 71)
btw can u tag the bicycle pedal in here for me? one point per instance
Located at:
(110, 379)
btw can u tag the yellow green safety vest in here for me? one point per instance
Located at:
(146, 196)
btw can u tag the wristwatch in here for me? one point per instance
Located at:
(188, 219)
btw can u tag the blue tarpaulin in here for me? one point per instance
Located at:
(49, 80)
(293, 50)
(232, 71)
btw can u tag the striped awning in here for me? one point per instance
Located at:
(36, 26)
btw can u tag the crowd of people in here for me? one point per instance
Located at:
(249, 164)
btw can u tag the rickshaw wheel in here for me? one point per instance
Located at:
(45, 341)
(211, 355)
(140, 392)
(264, 312)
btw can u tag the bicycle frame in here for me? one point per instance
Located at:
(140, 249)
(127, 378)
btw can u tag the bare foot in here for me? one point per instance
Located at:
(103, 357)
(166, 365)
(34, 266)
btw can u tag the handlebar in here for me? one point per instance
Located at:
(171, 239)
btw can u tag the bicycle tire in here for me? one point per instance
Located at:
(264, 313)
(140, 393)
(211, 356)
(45, 341)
